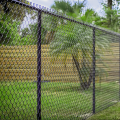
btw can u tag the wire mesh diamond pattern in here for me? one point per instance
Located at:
(53, 66)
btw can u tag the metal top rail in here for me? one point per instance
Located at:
(38, 8)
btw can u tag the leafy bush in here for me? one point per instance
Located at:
(8, 31)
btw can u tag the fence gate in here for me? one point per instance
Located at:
(54, 67)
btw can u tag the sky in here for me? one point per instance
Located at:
(95, 4)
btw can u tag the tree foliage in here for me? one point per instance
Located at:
(48, 27)
(111, 3)
(74, 40)
(8, 30)
(89, 16)
(15, 11)
(11, 17)
(111, 20)
(67, 8)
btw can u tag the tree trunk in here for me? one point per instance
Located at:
(110, 4)
(90, 77)
(84, 84)
(109, 15)
(49, 36)
(79, 71)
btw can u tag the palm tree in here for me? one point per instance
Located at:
(63, 5)
(111, 3)
(110, 20)
(76, 41)
(66, 8)
(89, 16)
(110, 12)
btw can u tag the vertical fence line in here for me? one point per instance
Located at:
(119, 68)
(39, 68)
(93, 70)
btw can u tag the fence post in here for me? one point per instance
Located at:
(39, 67)
(119, 68)
(93, 70)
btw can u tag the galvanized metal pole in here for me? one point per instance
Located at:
(93, 70)
(39, 68)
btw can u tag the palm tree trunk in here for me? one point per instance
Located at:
(90, 77)
(109, 15)
(78, 68)
(84, 84)
(49, 36)
(110, 4)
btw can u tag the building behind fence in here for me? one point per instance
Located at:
(63, 69)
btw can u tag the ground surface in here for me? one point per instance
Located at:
(111, 113)
(58, 100)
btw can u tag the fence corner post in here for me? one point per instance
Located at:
(94, 70)
(39, 67)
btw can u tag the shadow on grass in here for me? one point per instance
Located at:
(75, 87)
(64, 87)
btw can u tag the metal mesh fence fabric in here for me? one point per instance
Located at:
(53, 66)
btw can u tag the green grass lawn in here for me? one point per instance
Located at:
(58, 100)
(111, 113)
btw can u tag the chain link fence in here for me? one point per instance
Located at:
(54, 67)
